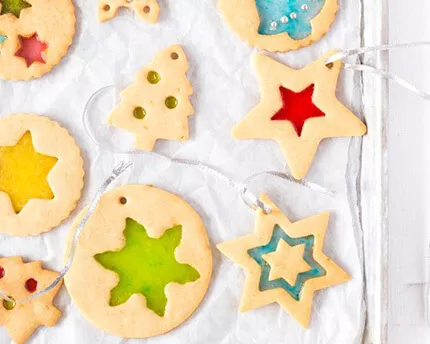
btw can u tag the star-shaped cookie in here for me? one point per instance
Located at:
(20, 280)
(298, 109)
(284, 262)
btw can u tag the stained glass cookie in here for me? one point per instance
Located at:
(279, 25)
(284, 262)
(298, 109)
(19, 281)
(142, 264)
(41, 174)
(34, 36)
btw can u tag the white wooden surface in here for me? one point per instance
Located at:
(409, 166)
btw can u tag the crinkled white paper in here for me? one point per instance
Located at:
(225, 90)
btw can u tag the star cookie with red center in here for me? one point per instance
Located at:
(19, 280)
(298, 109)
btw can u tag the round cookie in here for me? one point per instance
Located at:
(142, 263)
(41, 174)
(279, 25)
(34, 36)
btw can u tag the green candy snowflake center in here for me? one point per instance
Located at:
(146, 265)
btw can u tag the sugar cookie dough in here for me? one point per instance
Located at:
(34, 36)
(279, 25)
(142, 264)
(41, 174)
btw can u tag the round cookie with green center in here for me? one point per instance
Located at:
(142, 264)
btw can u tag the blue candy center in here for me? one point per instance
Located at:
(294, 290)
(290, 16)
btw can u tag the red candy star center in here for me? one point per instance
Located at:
(32, 49)
(297, 107)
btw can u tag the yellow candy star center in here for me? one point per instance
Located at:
(23, 172)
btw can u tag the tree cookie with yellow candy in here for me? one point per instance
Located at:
(284, 262)
(142, 263)
(41, 174)
(19, 280)
(34, 36)
(298, 109)
(156, 106)
(279, 25)
(147, 10)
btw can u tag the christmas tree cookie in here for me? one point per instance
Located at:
(148, 10)
(144, 259)
(41, 174)
(298, 109)
(19, 280)
(284, 262)
(156, 106)
(279, 25)
(34, 36)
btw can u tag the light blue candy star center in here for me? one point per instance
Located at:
(2, 39)
(294, 290)
(290, 16)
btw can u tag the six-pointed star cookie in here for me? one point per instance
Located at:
(298, 109)
(261, 287)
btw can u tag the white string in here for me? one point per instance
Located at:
(364, 50)
(116, 172)
(340, 56)
(403, 83)
(248, 197)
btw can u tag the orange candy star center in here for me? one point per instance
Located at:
(297, 108)
(32, 49)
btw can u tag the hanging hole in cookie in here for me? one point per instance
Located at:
(153, 77)
(123, 200)
(171, 102)
(9, 305)
(329, 65)
(147, 9)
(174, 56)
(129, 1)
(139, 112)
(106, 8)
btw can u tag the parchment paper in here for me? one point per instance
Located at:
(225, 90)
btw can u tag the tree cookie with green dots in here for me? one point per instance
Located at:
(142, 264)
(279, 25)
(148, 10)
(157, 106)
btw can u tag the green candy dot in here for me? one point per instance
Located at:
(171, 102)
(139, 112)
(153, 77)
(9, 305)
(146, 265)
